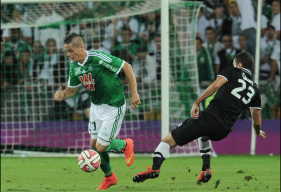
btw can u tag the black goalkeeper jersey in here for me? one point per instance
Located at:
(237, 94)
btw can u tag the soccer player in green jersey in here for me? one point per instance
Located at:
(98, 71)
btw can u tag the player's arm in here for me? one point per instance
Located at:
(257, 122)
(273, 69)
(66, 94)
(220, 81)
(135, 98)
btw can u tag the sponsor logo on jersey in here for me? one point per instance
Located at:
(88, 81)
(108, 66)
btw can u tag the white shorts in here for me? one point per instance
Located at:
(105, 122)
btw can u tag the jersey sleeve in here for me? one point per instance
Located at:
(72, 80)
(226, 73)
(256, 103)
(112, 63)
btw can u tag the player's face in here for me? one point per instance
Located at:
(73, 52)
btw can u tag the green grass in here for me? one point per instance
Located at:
(50, 174)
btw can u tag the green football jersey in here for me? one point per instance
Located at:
(99, 74)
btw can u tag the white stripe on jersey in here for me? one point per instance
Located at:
(222, 76)
(246, 70)
(100, 55)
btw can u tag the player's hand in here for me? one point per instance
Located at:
(135, 100)
(59, 95)
(262, 134)
(194, 112)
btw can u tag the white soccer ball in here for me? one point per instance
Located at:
(89, 160)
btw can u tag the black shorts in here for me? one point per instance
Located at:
(205, 125)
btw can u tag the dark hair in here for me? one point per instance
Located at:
(198, 38)
(246, 59)
(227, 35)
(26, 51)
(125, 28)
(241, 34)
(142, 49)
(270, 27)
(209, 28)
(69, 37)
(50, 40)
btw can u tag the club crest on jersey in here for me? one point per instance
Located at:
(88, 81)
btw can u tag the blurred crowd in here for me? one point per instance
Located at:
(33, 61)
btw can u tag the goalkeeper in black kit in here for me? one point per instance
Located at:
(236, 91)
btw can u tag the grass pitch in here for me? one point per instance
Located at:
(230, 173)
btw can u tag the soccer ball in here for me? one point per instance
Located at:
(89, 160)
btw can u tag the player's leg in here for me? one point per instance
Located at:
(184, 133)
(205, 152)
(110, 129)
(94, 128)
(160, 154)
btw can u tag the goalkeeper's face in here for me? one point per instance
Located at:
(75, 53)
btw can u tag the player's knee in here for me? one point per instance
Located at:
(100, 148)
(93, 143)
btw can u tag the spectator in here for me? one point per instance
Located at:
(216, 22)
(25, 67)
(248, 24)
(127, 43)
(15, 43)
(25, 32)
(8, 71)
(144, 66)
(267, 45)
(37, 51)
(236, 23)
(275, 64)
(276, 19)
(145, 72)
(202, 24)
(224, 57)
(55, 31)
(150, 26)
(266, 10)
(242, 43)
(76, 107)
(264, 20)
(52, 68)
(212, 44)
(156, 52)
(271, 107)
(97, 45)
(204, 64)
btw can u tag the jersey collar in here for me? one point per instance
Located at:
(81, 64)
(247, 71)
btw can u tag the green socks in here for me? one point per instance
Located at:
(116, 145)
(105, 162)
